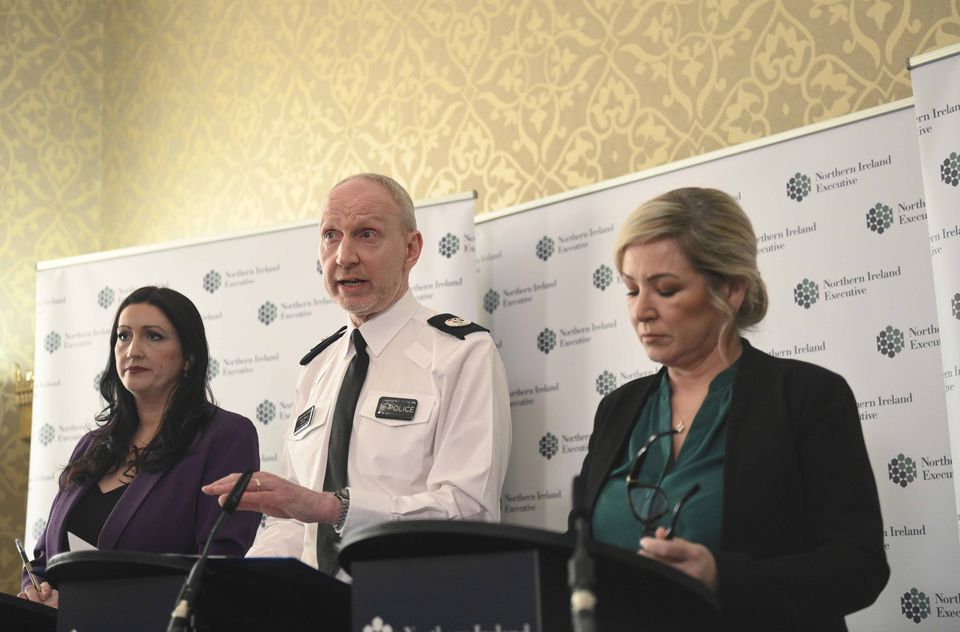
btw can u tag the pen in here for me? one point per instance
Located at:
(26, 564)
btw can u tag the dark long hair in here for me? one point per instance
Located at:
(186, 415)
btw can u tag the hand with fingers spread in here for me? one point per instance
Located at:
(276, 496)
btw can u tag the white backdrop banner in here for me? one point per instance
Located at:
(840, 215)
(936, 90)
(264, 306)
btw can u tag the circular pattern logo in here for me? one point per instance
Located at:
(602, 277)
(266, 412)
(798, 187)
(47, 434)
(377, 625)
(806, 293)
(52, 342)
(950, 169)
(267, 313)
(213, 369)
(491, 301)
(319, 267)
(105, 297)
(96, 380)
(955, 305)
(549, 444)
(546, 340)
(606, 383)
(902, 470)
(449, 245)
(890, 341)
(544, 248)
(211, 281)
(879, 218)
(38, 528)
(915, 605)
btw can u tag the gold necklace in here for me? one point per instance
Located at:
(682, 424)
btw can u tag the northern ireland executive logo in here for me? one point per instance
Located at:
(51, 342)
(377, 625)
(915, 605)
(902, 470)
(491, 301)
(38, 528)
(545, 248)
(213, 369)
(798, 187)
(266, 412)
(879, 218)
(105, 297)
(549, 444)
(890, 341)
(950, 169)
(546, 340)
(47, 434)
(211, 281)
(955, 305)
(602, 277)
(267, 313)
(806, 293)
(449, 245)
(606, 383)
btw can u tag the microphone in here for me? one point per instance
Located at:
(580, 567)
(180, 616)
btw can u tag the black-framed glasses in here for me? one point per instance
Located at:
(649, 502)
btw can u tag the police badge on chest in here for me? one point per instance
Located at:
(396, 408)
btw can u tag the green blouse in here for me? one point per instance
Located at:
(700, 461)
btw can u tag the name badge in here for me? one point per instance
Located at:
(396, 408)
(303, 421)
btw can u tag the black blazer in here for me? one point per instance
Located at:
(801, 532)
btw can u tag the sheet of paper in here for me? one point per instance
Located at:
(77, 543)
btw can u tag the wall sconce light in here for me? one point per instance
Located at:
(23, 386)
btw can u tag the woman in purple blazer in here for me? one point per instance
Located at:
(134, 482)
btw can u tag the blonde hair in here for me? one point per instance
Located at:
(714, 234)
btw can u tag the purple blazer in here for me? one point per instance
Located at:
(165, 512)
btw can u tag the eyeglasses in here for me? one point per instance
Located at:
(649, 502)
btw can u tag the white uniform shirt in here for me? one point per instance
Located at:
(447, 463)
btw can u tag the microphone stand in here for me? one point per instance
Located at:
(580, 568)
(181, 615)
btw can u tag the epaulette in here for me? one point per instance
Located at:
(455, 326)
(326, 342)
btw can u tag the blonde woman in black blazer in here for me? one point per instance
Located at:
(781, 505)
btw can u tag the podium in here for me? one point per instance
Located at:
(125, 590)
(26, 616)
(428, 575)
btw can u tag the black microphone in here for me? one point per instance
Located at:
(179, 618)
(580, 574)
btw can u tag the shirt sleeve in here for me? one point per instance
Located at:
(281, 537)
(471, 445)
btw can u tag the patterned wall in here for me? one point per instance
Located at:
(50, 109)
(220, 115)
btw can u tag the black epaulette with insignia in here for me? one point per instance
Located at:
(455, 326)
(326, 342)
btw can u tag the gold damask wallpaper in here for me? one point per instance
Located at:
(50, 165)
(125, 122)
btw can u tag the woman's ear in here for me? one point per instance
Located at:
(735, 291)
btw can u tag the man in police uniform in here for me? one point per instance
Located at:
(431, 431)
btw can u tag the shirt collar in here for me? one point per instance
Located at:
(380, 330)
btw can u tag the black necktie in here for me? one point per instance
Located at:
(341, 425)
